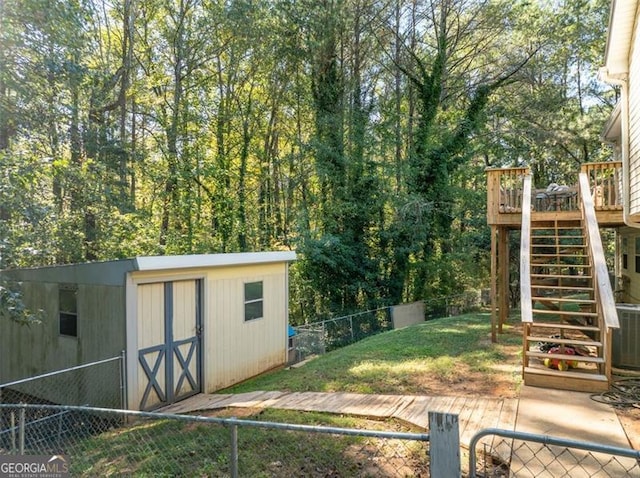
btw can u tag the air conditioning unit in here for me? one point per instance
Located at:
(625, 351)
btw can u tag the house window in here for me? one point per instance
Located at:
(637, 254)
(253, 300)
(68, 309)
(625, 253)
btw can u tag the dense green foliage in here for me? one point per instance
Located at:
(353, 131)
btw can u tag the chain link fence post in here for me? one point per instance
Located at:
(444, 449)
(124, 403)
(13, 431)
(21, 431)
(233, 458)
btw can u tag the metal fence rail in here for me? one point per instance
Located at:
(100, 384)
(118, 442)
(520, 454)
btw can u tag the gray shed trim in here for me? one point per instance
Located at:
(114, 272)
(97, 273)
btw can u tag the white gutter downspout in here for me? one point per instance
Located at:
(622, 81)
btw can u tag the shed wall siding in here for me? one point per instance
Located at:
(634, 123)
(233, 350)
(34, 350)
(236, 350)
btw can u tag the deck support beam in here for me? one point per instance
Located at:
(494, 282)
(499, 279)
(503, 262)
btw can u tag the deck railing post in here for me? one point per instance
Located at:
(444, 445)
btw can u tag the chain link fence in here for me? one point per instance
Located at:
(352, 328)
(308, 341)
(98, 384)
(323, 336)
(103, 442)
(100, 442)
(452, 305)
(520, 455)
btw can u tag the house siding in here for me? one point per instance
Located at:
(634, 123)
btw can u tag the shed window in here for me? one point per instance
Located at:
(68, 306)
(253, 300)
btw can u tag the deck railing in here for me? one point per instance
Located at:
(505, 194)
(504, 188)
(605, 181)
(605, 301)
(526, 305)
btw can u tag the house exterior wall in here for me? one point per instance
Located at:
(634, 122)
(629, 244)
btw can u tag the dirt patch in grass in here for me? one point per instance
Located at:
(474, 378)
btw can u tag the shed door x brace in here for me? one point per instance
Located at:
(173, 369)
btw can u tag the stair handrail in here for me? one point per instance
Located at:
(526, 309)
(601, 274)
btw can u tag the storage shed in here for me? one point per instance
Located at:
(188, 324)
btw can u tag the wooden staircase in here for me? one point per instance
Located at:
(564, 343)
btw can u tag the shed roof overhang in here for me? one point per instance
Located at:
(157, 263)
(114, 272)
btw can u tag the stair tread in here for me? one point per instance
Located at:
(573, 256)
(568, 374)
(555, 340)
(579, 358)
(568, 246)
(564, 299)
(558, 238)
(556, 287)
(538, 226)
(562, 276)
(556, 264)
(570, 313)
(558, 325)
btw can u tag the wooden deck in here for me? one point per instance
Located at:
(474, 413)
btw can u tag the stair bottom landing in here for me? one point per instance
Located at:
(578, 381)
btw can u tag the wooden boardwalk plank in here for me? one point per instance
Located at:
(417, 411)
(507, 421)
(474, 413)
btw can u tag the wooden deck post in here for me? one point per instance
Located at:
(503, 268)
(494, 280)
(444, 445)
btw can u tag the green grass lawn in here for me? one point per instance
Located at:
(169, 448)
(452, 351)
(448, 350)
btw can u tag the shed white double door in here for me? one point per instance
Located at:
(169, 346)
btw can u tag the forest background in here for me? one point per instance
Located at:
(356, 132)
